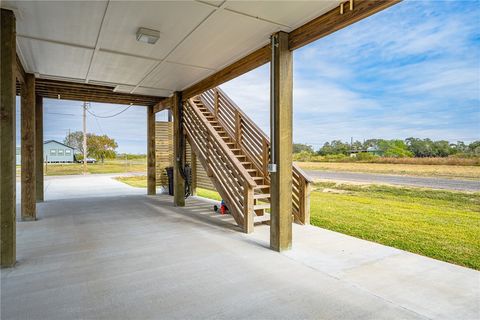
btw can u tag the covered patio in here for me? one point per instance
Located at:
(108, 251)
(112, 253)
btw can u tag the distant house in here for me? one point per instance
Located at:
(371, 150)
(54, 151)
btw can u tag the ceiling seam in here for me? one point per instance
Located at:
(97, 43)
(81, 46)
(246, 14)
(216, 10)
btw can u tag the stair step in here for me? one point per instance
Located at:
(258, 178)
(240, 155)
(261, 206)
(246, 163)
(261, 196)
(261, 219)
(252, 170)
(262, 186)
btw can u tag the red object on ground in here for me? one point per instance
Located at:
(223, 209)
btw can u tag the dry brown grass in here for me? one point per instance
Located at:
(431, 170)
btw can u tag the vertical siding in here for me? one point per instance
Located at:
(164, 156)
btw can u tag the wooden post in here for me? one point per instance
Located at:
(7, 139)
(29, 196)
(281, 133)
(179, 152)
(306, 202)
(248, 208)
(194, 173)
(265, 156)
(39, 148)
(151, 173)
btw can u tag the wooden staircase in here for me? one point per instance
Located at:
(235, 154)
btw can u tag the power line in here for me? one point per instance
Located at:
(111, 116)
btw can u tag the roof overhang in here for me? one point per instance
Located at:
(202, 43)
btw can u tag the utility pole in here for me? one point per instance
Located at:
(84, 137)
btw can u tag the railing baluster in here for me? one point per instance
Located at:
(216, 104)
(238, 129)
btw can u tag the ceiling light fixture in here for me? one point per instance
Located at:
(148, 35)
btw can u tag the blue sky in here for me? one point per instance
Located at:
(411, 70)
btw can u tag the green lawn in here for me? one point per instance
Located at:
(110, 166)
(440, 224)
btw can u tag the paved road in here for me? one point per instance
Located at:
(436, 183)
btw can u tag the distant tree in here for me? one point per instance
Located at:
(99, 147)
(75, 140)
(356, 145)
(334, 147)
(419, 147)
(394, 148)
(299, 147)
(474, 148)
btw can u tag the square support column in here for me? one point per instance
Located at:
(39, 148)
(7, 140)
(151, 173)
(281, 146)
(179, 151)
(28, 179)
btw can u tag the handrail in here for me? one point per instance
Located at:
(228, 152)
(256, 145)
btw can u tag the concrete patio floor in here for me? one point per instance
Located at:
(108, 252)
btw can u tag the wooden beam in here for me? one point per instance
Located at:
(28, 179)
(164, 104)
(7, 140)
(281, 146)
(151, 174)
(179, 151)
(317, 28)
(248, 63)
(333, 21)
(39, 148)
(19, 70)
(54, 89)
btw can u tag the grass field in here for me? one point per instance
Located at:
(440, 224)
(110, 166)
(444, 171)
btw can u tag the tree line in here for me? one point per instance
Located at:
(410, 147)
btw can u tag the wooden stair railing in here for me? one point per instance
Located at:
(248, 137)
(222, 164)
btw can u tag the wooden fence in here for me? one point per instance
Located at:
(164, 156)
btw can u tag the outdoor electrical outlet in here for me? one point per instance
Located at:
(272, 167)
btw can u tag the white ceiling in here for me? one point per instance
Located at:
(94, 41)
